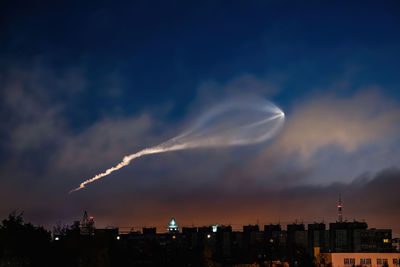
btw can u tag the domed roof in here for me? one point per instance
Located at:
(173, 226)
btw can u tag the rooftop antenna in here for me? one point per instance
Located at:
(340, 214)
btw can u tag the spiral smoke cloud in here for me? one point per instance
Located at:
(232, 123)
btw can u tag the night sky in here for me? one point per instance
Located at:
(83, 84)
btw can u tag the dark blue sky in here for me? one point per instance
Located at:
(161, 51)
(83, 84)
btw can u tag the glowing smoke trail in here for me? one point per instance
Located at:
(230, 124)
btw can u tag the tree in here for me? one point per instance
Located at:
(61, 229)
(23, 244)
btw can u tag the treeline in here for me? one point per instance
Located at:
(23, 244)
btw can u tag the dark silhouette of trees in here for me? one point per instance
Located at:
(22, 244)
(61, 229)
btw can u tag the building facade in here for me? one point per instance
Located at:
(372, 259)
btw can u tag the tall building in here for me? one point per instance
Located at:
(376, 240)
(275, 241)
(340, 212)
(251, 236)
(173, 226)
(346, 236)
(87, 224)
(223, 241)
(273, 234)
(297, 242)
(297, 236)
(318, 236)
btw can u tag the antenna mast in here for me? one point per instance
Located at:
(340, 214)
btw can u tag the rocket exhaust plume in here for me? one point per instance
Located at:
(233, 123)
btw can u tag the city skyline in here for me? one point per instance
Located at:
(175, 224)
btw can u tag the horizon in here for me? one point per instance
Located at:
(235, 226)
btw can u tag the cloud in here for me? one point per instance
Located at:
(104, 142)
(212, 92)
(335, 137)
(348, 123)
(327, 143)
(33, 101)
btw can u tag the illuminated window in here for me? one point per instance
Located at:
(386, 240)
(214, 228)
